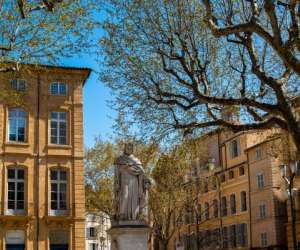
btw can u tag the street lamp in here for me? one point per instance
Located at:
(212, 167)
(288, 173)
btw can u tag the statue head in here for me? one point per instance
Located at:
(128, 149)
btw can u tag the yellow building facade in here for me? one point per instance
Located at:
(41, 152)
(240, 201)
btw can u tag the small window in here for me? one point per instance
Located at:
(262, 211)
(241, 171)
(258, 152)
(223, 178)
(231, 174)
(264, 239)
(224, 206)
(235, 148)
(216, 208)
(206, 212)
(18, 84)
(205, 186)
(243, 201)
(260, 181)
(232, 204)
(58, 88)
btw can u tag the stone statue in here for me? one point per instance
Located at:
(131, 187)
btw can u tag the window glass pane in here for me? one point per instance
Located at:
(11, 186)
(20, 196)
(20, 205)
(20, 186)
(54, 115)
(54, 88)
(63, 175)
(11, 204)
(11, 173)
(63, 116)
(62, 89)
(11, 195)
(54, 205)
(21, 174)
(54, 175)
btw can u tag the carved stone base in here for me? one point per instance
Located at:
(129, 235)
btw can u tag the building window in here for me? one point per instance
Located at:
(241, 171)
(232, 204)
(242, 235)
(59, 128)
(205, 186)
(258, 153)
(17, 119)
(199, 213)
(223, 178)
(58, 88)
(231, 174)
(243, 201)
(235, 148)
(224, 206)
(262, 211)
(264, 239)
(93, 246)
(18, 84)
(206, 210)
(216, 208)
(15, 190)
(91, 232)
(232, 236)
(58, 191)
(260, 181)
(225, 237)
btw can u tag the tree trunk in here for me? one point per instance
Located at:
(163, 244)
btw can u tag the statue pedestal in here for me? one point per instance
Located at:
(129, 235)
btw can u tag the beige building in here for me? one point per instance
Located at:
(238, 202)
(41, 152)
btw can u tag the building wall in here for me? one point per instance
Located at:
(37, 156)
(236, 181)
(100, 222)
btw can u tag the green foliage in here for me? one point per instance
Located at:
(99, 170)
(36, 33)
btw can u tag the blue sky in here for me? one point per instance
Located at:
(97, 114)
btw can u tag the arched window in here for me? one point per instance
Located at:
(17, 122)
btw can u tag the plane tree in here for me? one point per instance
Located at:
(190, 66)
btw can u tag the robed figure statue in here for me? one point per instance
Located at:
(131, 186)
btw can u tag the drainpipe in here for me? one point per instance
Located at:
(37, 153)
(249, 200)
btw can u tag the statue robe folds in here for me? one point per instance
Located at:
(130, 188)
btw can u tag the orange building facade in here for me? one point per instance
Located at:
(41, 153)
(240, 199)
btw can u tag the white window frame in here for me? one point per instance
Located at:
(18, 86)
(15, 180)
(59, 121)
(260, 180)
(19, 118)
(59, 92)
(262, 210)
(59, 211)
